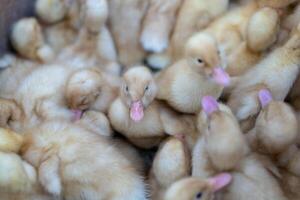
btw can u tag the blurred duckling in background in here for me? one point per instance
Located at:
(158, 24)
(28, 40)
(125, 23)
(171, 163)
(142, 119)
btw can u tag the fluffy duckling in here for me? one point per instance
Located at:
(39, 96)
(276, 126)
(91, 89)
(224, 148)
(200, 73)
(28, 40)
(130, 51)
(143, 120)
(274, 139)
(65, 153)
(158, 24)
(171, 163)
(277, 72)
(193, 188)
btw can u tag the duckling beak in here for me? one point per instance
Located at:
(220, 76)
(137, 111)
(77, 114)
(220, 181)
(209, 105)
(265, 97)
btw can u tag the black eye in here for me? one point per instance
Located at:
(199, 195)
(219, 52)
(200, 60)
(146, 88)
(126, 88)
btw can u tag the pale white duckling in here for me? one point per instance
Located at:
(194, 188)
(200, 73)
(171, 163)
(158, 24)
(142, 119)
(276, 72)
(64, 153)
(224, 148)
(28, 40)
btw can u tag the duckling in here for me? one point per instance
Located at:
(91, 89)
(64, 153)
(200, 73)
(276, 72)
(193, 188)
(142, 119)
(130, 51)
(46, 100)
(274, 139)
(158, 24)
(171, 163)
(28, 40)
(275, 128)
(224, 148)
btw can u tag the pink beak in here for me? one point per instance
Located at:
(209, 105)
(221, 76)
(265, 97)
(77, 114)
(137, 111)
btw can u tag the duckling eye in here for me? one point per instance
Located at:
(198, 195)
(126, 89)
(200, 60)
(147, 88)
